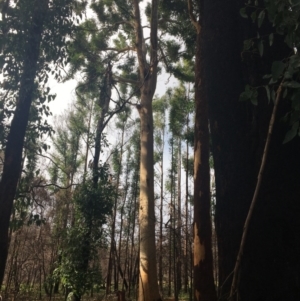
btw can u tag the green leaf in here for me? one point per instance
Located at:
(266, 76)
(254, 101)
(268, 92)
(273, 95)
(243, 12)
(277, 69)
(292, 84)
(260, 46)
(271, 39)
(261, 17)
(247, 44)
(291, 133)
(247, 94)
(253, 16)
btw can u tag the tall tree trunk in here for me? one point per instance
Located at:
(204, 287)
(186, 255)
(160, 273)
(148, 285)
(15, 138)
(238, 136)
(179, 222)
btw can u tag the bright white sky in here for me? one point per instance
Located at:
(66, 91)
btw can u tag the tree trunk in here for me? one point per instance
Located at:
(15, 139)
(204, 287)
(104, 100)
(270, 264)
(179, 222)
(148, 285)
(186, 247)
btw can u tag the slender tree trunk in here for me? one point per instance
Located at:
(171, 236)
(179, 222)
(112, 260)
(104, 100)
(87, 147)
(161, 215)
(186, 276)
(15, 138)
(132, 251)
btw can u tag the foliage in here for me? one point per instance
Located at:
(279, 21)
(15, 26)
(92, 205)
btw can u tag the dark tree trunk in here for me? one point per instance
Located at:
(230, 128)
(104, 100)
(15, 139)
(270, 264)
(204, 287)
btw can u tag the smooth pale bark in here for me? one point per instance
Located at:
(148, 285)
(15, 139)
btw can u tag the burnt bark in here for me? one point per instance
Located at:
(15, 139)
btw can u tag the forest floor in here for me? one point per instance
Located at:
(60, 297)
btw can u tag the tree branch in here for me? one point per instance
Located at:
(192, 16)
(235, 280)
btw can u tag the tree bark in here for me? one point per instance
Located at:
(239, 130)
(204, 287)
(148, 285)
(15, 139)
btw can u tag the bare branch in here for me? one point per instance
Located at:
(235, 283)
(192, 16)
(124, 80)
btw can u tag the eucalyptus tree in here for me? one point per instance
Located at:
(133, 196)
(121, 43)
(176, 115)
(204, 286)
(34, 36)
(117, 166)
(160, 106)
